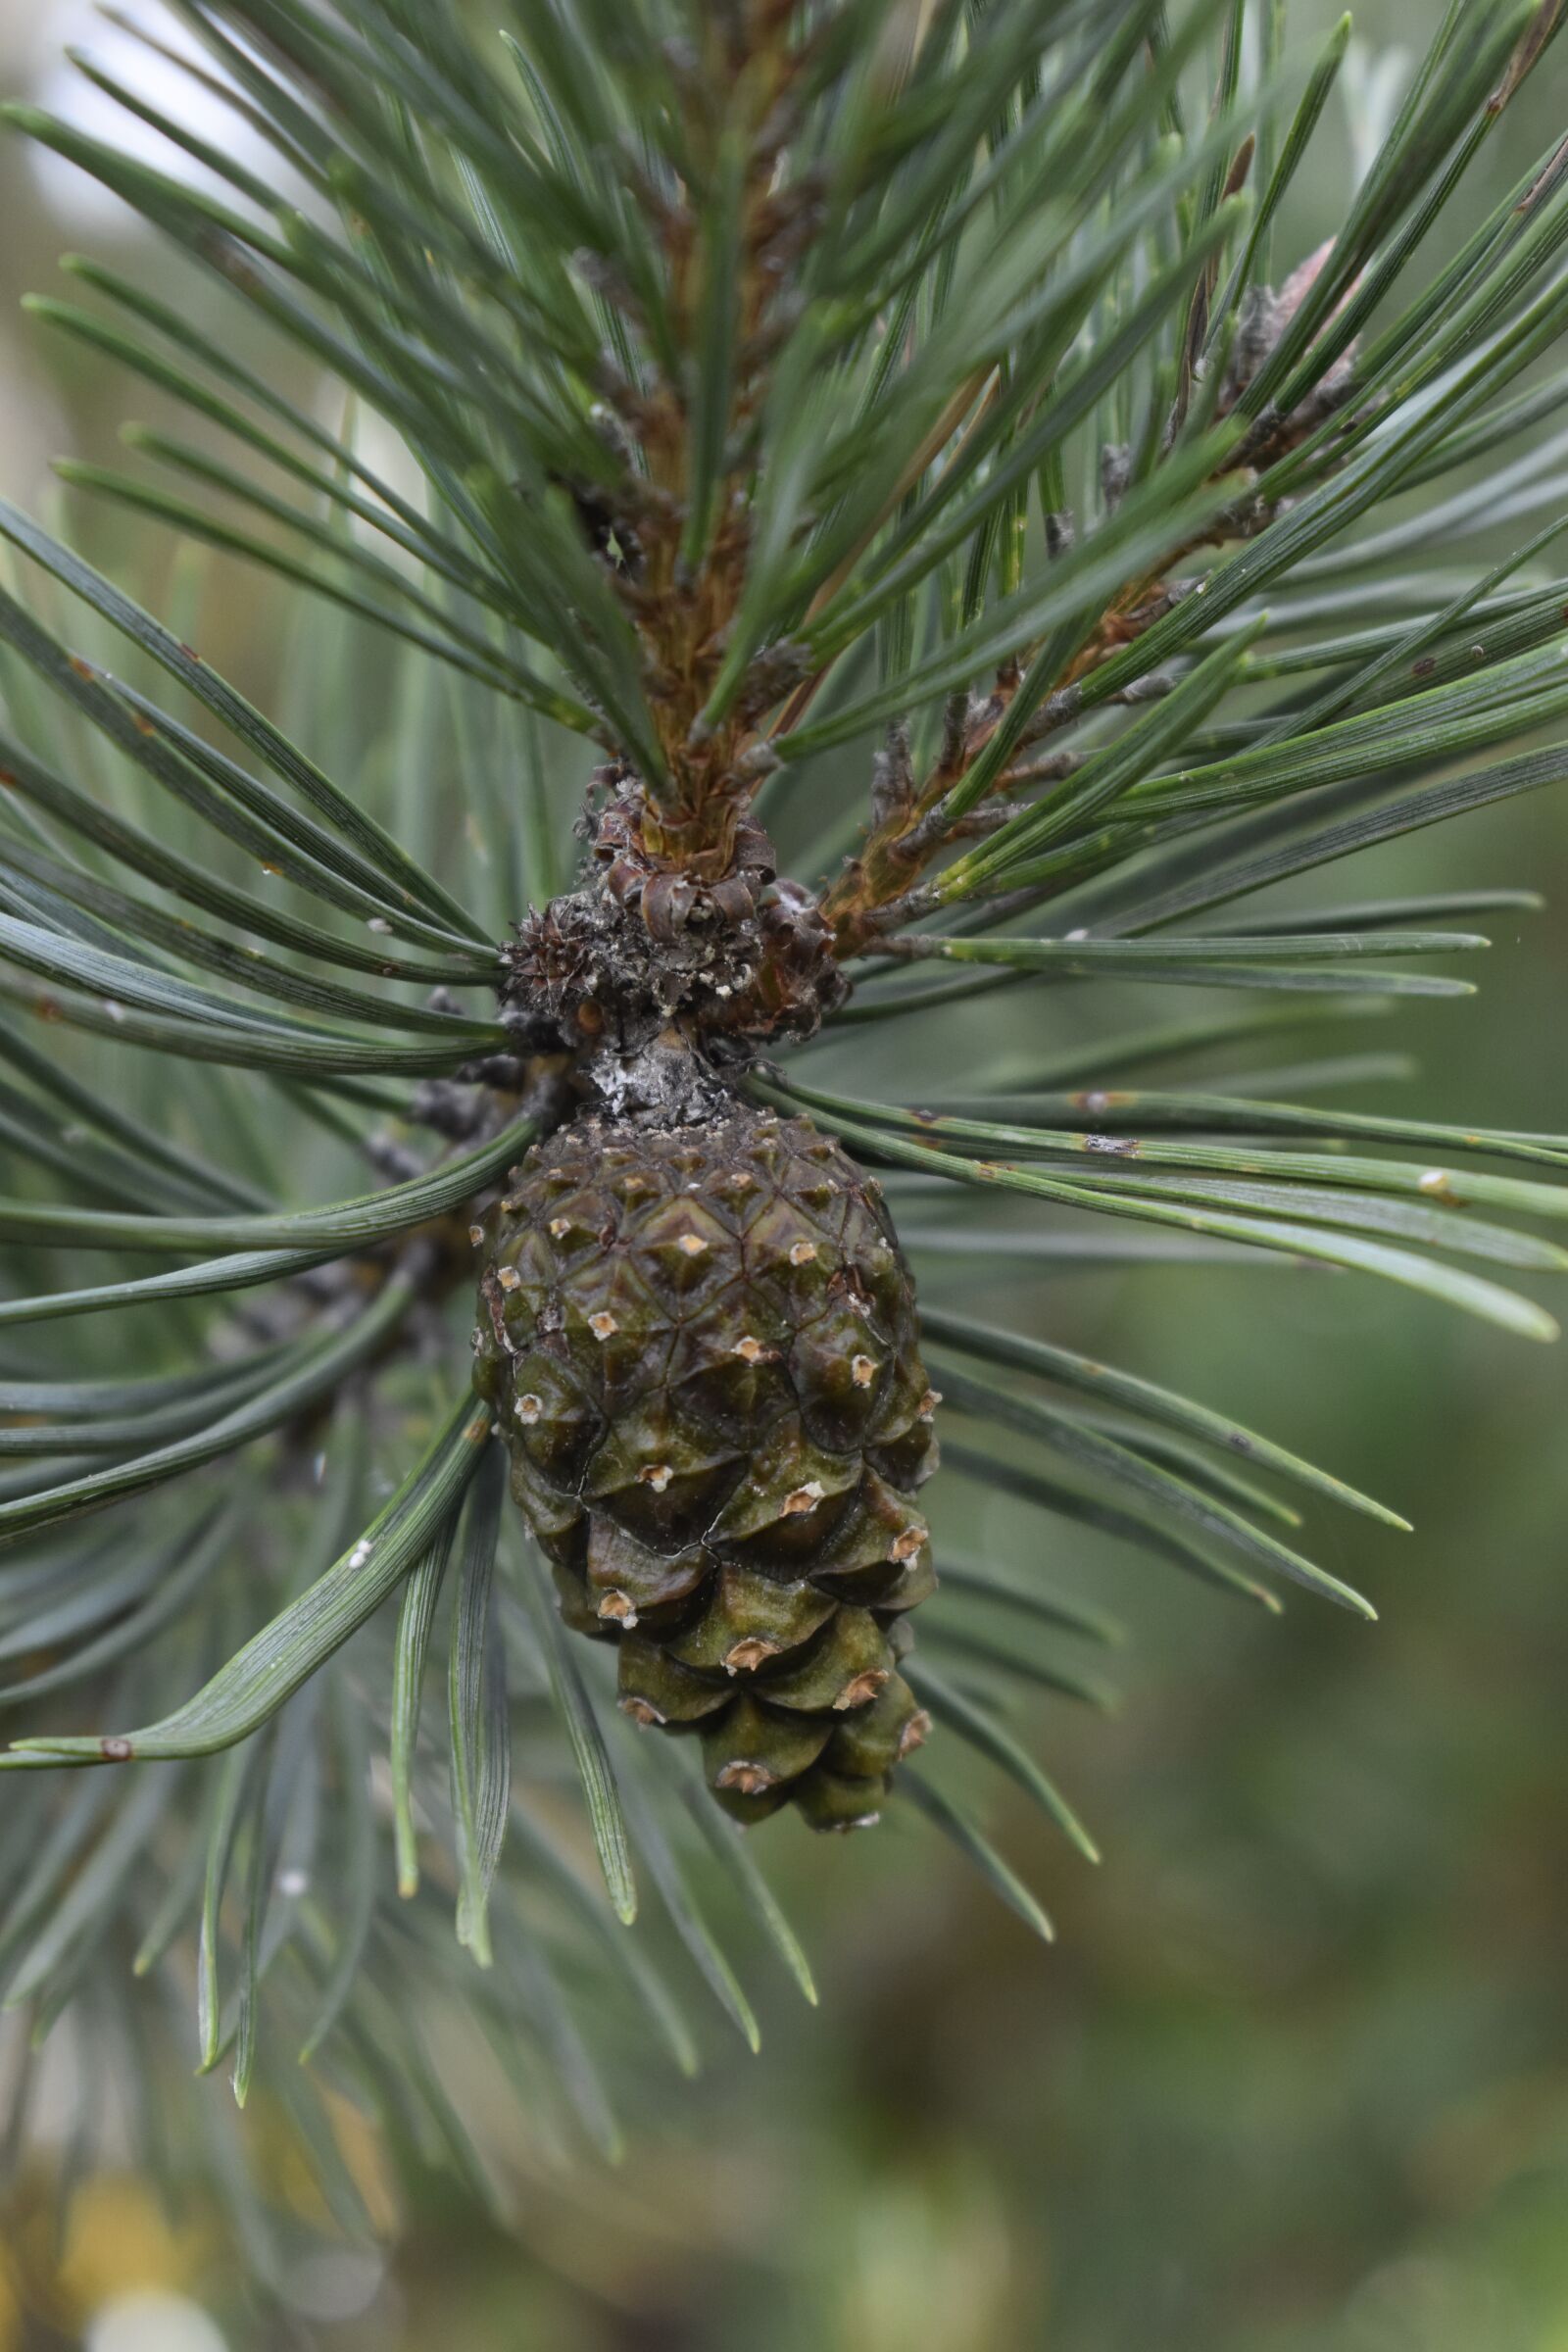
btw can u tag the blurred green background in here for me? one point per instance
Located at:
(1294, 2077)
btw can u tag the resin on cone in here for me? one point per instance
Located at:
(702, 1348)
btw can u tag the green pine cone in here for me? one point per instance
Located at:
(702, 1348)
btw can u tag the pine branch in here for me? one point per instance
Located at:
(868, 500)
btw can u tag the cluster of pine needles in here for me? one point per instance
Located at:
(912, 423)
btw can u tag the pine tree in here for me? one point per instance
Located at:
(875, 497)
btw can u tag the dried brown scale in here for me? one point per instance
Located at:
(701, 1349)
(716, 956)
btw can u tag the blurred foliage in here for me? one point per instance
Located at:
(1294, 2077)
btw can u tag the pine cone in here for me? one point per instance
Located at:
(702, 1347)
